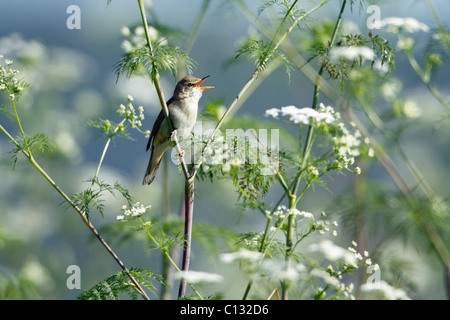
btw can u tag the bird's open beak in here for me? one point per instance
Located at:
(200, 82)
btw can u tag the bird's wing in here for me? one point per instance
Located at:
(157, 125)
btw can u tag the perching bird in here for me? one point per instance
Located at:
(182, 108)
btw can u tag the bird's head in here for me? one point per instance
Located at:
(189, 87)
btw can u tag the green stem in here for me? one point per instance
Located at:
(307, 146)
(105, 149)
(289, 244)
(425, 78)
(166, 254)
(20, 125)
(427, 226)
(189, 42)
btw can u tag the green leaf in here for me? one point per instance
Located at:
(112, 287)
(92, 196)
(261, 53)
(37, 142)
(141, 60)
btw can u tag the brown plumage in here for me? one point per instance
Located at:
(182, 108)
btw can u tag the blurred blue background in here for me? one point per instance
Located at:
(76, 82)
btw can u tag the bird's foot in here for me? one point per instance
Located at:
(173, 135)
(181, 154)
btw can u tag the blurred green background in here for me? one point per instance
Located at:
(72, 79)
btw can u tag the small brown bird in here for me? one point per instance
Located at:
(183, 108)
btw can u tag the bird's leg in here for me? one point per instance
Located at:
(172, 137)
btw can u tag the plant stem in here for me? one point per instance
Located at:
(307, 146)
(425, 78)
(306, 151)
(78, 210)
(167, 255)
(189, 186)
(20, 125)
(188, 213)
(427, 226)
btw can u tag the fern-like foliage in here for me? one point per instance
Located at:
(109, 128)
(36, 142)
(262, 52)
(92, 196)
(143, 61)
(120, 283)
(341, 69)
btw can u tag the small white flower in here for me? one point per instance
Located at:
(8, 62)
(333, 252)
(121, 109)
(125, 31)
(325, 276)
(241, 254)
(358, 170)
(385, 290)
(139, 30)
(272, 112)
(130, 97)
(396, 24)
(136, 210)
(199, 276)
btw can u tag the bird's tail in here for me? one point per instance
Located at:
(150, 174)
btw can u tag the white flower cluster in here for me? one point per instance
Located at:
(351, 53)
(135, 38)
(303, 115)
(128, 112)
(8, 80)
(298, 273)
(334, 253)
(346, 144)
(396, 25)
(136, 210)
(281, 212)
(346, 147)
(230, 149)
